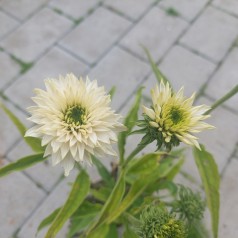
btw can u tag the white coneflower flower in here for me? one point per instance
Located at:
(74, 120)
(173, 117)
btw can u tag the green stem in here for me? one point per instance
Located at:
(138, 149)
(101, 219)
(223, 99)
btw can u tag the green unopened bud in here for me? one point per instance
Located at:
(157, 222)
(189, 205)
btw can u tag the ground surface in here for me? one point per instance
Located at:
(194, 43)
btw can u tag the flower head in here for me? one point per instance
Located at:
(74, 120)
(172, 118)
(157, 222)
(190, 205)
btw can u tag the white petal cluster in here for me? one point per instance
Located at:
(173, 115)
(74, 120)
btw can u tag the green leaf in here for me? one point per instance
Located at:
(222, 100)
(175, 169)
(34, 143)
(138, 168)
(112, 202)
(139, 131)
(136, 189)
(112, 92)
(48, 220)
(168, 169)
(22, 164)
(21, 128)
(87, 209)
(197, 230)
(101, 232)
(166, 166)
(101, 194)
(168, 185)
(114, 199)
(83, 216)
(211, 181)
(78, 225)
(112, 232)
(102, 170)
(76, 197)
(129, 122)
(128, 233)
(159, 76)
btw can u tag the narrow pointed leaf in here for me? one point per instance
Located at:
(21, 128)
(142, 167)
(211, 181)
(48, 220)
(103, 171)
(112, 92)
(112, 233)
(82, 217)
(22, 164)
(76, 197)
(114, 199)
(78, 226)
(140, 131)
(34, 143)
(159, 76)
(129, 122)
(100, 232)
(136, 189)
(112, 202)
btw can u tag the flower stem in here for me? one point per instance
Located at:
(223, 99)
(138, 149)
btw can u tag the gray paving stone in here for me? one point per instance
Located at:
(229, 201)
(157, 31)
(212, 34)
(8, 69)
(54, 63)
(31, 39)
(19, 196)
(8, 132)
(225, 79)
(122, 70)
(222, 140)
(186, 8)
(131, 8)
(75, 8)
(94, 36)
(230, 6)
(56, 199)
(44, 174)
(22, 9)
(7, 24)
(183, 68)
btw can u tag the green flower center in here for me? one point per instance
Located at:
(75, 115)
(176, 115)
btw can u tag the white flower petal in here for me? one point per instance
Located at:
(175, 115)
(149, 112)
(68, 164)
(74, 120)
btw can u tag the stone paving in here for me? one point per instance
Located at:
(195, 43)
